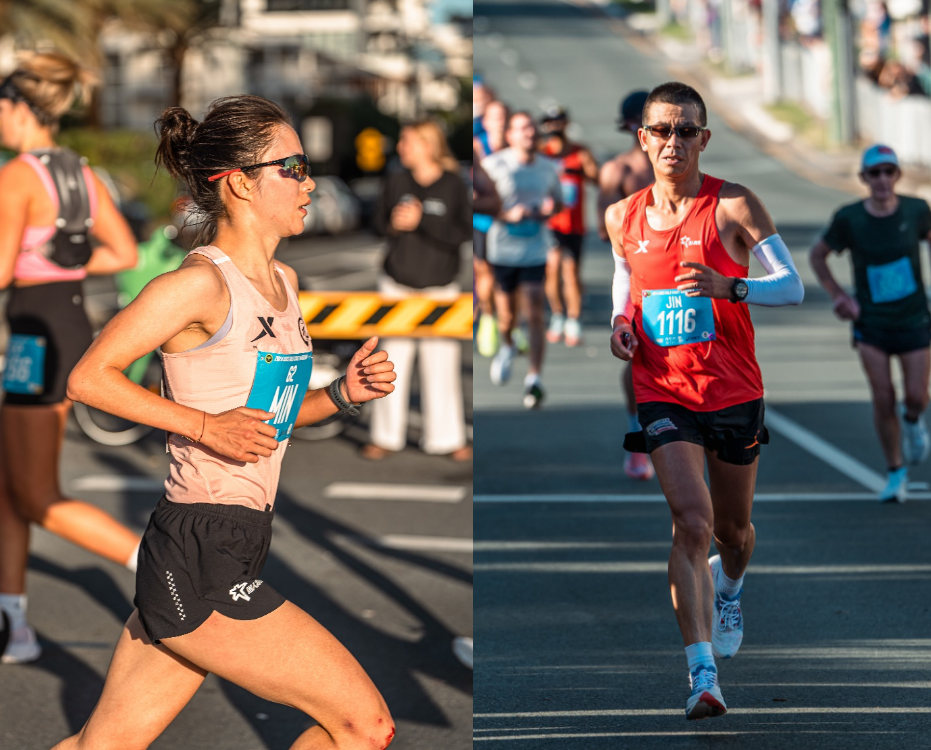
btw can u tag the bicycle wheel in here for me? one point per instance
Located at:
(108, 429)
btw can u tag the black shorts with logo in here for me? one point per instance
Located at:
(735, 434)
(199, 558)
(892, 341)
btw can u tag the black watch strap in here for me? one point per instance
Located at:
(336, 396)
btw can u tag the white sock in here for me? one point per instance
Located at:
(700, 655)
(133, 561)
(727, 586)
(531, 379)
(633, 425)
(15, 607)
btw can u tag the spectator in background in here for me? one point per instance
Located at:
(920, 68)
(482, 96)
(426, 214)
(896, 78)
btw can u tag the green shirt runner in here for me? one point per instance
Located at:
(886, 261)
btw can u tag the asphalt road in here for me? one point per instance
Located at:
(578, 646)
(391, 578)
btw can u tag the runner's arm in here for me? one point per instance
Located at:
(623, 339)
(485, 198)
(782, 285)
(117, 251)
(845, 306)
(14, 210)
(169, 305)
(589, 164)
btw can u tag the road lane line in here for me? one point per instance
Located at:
(763, 497)
(117, 483)
(419, 543)
(784, 710)
(820, 448)
(437, 493)
(663, 566)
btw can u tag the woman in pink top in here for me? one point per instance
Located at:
(237, 363)
(50, 202)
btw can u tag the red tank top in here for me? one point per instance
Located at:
(706, 375)
(570, 220)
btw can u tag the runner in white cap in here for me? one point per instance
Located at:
(889, 309)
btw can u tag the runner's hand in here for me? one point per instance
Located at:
(515, 214)
(623, 341)
(846, 307)
(405, 217)
(240, 434)
(370, 374)
(703, 281)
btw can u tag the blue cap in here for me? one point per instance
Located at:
(878, 154)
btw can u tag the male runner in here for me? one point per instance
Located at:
(620, 177)
(576, 164)
(518, 241)
(890, 312)
(490, 140)
(682, 250)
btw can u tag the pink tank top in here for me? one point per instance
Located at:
(216, 377)
(31, 265)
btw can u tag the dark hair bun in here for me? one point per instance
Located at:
(175, 130)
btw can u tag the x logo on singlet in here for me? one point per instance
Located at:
(266, 328)
(642, 246)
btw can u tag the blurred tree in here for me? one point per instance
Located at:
(61, 24)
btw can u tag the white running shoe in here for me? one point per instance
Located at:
(706, 700)
(727, 630)
(557, 324)
(573, 332)
(896, 489)
(462, 648)
(501, 365)
(916, 443)
(22, 647)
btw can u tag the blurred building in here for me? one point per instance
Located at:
(295, 52)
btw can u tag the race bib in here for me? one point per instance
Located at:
(891, 281)
(672, 318)
(570, 193)
(279, 386)
(25, 365)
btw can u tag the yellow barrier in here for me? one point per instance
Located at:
(359, 315)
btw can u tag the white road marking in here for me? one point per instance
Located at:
(662, 567)
(117, 483)
(763, 497)
(820, 448)
(419, 543)
(427, 493)
(786, 710)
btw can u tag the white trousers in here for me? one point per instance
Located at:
(440, 386)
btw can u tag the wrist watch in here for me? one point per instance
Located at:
(739, 290)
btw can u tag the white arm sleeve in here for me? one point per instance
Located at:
(620, 290)
(782, 286)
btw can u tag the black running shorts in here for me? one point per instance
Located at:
(569, 244)
(735, 434)
(199, 558)
(509, 278)
(892, 341)
(54, 313)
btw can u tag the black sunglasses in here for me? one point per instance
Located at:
(297, 166)
(884, 171)
(682, 131)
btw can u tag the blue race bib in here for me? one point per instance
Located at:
(570, 193)
(279, 386)
(891, 281)
(672, 318)
(25, 365)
